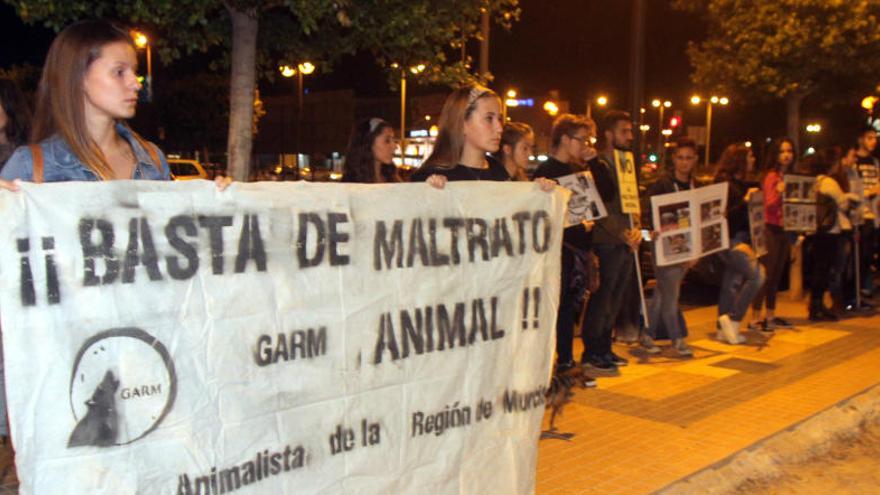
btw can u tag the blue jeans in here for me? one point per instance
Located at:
(664, 304)
(743, 278)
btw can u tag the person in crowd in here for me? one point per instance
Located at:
(369, 157)
(780, 158)
(87, 91)
(832, 218)
(470, 127)
(469, 130)
(842, 276)
(568, 139)
(517, 146)
(664, 308)
(614, 238)
(869, 170)
(743, 275)
(15, 119)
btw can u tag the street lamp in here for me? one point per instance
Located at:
(509, 101)
(415, 70)
(141, 41)
(713, 100)
(301, 70)
(814, 128)
(601, 100)
(660, 106)
(551, 107)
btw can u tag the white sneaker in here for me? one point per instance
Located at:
(729, 331)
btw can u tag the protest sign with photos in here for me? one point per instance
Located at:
(799, 203)
(278, 337)
(757, 224)
(690, 224)
(585, 203)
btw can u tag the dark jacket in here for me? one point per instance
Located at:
(608, 230)
(737, 208)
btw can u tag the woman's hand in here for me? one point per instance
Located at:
(437, 181)
(780, 187)
(752, 190)
(10, 185)
(546, 185)
(588, 225)
(222, 183)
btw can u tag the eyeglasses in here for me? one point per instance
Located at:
(585, 140)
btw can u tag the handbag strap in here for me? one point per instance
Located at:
(37, 154)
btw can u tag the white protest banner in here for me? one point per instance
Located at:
(691, 223)
(799, 203)
(278, 337)
(625, 166)
(585, 202)
(757, 224)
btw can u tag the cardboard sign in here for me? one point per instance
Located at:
(278, 337)
(799, 203)
(757, 224)
(585, 203)
(691, 224)
(627, 182)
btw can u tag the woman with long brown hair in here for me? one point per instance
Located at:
(517, 146)
(743, 275)
(370, 153)
(89, 87)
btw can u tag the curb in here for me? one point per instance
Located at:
(800, 442)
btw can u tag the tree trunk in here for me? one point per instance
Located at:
(793, 117)
(241, 93)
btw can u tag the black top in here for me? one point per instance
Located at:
(494, 172)
(737, 208)
(576, 235)
(666, 184)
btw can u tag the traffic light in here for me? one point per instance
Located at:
(674, 121)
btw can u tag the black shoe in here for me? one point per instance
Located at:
(615, 359)
(778, 322)
(561, 368)
(822, 314)
(596, 366)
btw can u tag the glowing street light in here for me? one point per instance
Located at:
(510, 101)
(511, 93)
(302, 69)
(869, 102)
(814, 128)
(141, 41)
(551, 107)
(415, 70)
(601, 100)
(660, 105)
(713, 100)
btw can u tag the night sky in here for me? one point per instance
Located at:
(578, 47)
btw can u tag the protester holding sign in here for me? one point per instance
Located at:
(569, 137)
(743, 275)
(664, 309)
(869, 171)
(832, 213)
(370, 154)
(614, 241)
(779, 159)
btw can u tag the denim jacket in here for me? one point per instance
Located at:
(61, 165)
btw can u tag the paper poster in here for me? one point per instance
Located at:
(278, 337)
(691, 223)
(857, 187)
(757, 225)
(585, 203)
(870, 175)
(627, 182)
(799, 203)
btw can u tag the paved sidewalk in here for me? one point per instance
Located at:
(665, 418)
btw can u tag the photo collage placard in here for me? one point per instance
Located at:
(799, 203)
(690, 224)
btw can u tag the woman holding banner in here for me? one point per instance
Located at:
(664, 309)
(780, 159)
(88, 88)
(370, 154)
(743, 275)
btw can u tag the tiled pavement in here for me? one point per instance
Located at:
(665, 418)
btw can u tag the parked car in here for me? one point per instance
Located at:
(182, 169)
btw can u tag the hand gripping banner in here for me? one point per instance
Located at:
(278, 338)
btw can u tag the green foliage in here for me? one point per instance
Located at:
(781, 48)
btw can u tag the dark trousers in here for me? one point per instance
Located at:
(615, 271)
(824, 246)
(778, 247)
(867, 247)
(565, 319)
